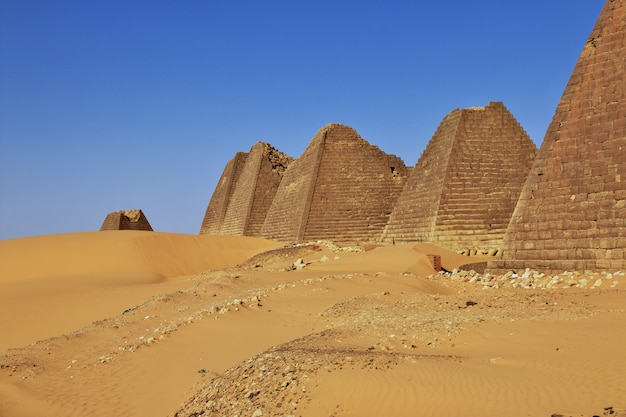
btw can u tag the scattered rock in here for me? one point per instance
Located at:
(534, 279)
(298, 264)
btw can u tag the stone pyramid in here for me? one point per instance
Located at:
(340, 188)
(464, 187)
(216, 211)
(571, 214)
(245, 191)
(126, 220)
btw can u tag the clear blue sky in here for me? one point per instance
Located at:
(111, 105)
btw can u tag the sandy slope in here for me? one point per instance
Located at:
(128, 325)
(58, 283)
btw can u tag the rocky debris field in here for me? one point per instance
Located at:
(386, 330)
(535, 279)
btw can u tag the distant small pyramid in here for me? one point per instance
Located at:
(340, 188)
(571, 214)
(126, 220)
(245, 191)
(464, 187)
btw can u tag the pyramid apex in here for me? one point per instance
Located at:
(334, 126)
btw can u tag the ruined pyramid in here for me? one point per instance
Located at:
(245, 191)
(340, 188)
(126, 220)
(571, 214)
(463, 190)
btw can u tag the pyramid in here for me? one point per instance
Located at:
(126, 220)
(571, 214)
(216, 210)
(245, 191)
(464, 187)
(341, 188)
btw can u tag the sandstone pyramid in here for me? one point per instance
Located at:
(464, 187)
(216, 211)
(126, 220)
(245, 191)
(340, 188)
(572, 211)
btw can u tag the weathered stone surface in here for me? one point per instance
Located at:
(245, 192)
(341, 188)
(464, 187)
(571, 214)
(216, 211)
(126, 220)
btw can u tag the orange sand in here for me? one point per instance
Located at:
(141, 323)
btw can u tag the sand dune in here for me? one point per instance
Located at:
(123, 251)
(136, 324)
(58, 283)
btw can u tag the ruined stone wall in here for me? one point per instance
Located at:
(216, 210)
(414, 215)
(285, 220)
(271, 171)
(126, 220)
(254, 191)
(465, 185)
(571, 214)
(356, 187)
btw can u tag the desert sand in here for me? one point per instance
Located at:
(155, 324)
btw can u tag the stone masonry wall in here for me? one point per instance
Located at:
(271, 171)
(356, 188)
(240, 202)
(490, 159)
(285, 218)
(465, 186)
(254, 190)
(216, 210)
(571, 214)
(111, 221)
(414, 215)
(126, 220)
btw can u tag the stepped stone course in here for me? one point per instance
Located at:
(464, 187)
(126, 220)
(245, 192)
(216, 211)
(340, 188)
(571, 214)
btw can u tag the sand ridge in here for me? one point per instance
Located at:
(354, 332)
